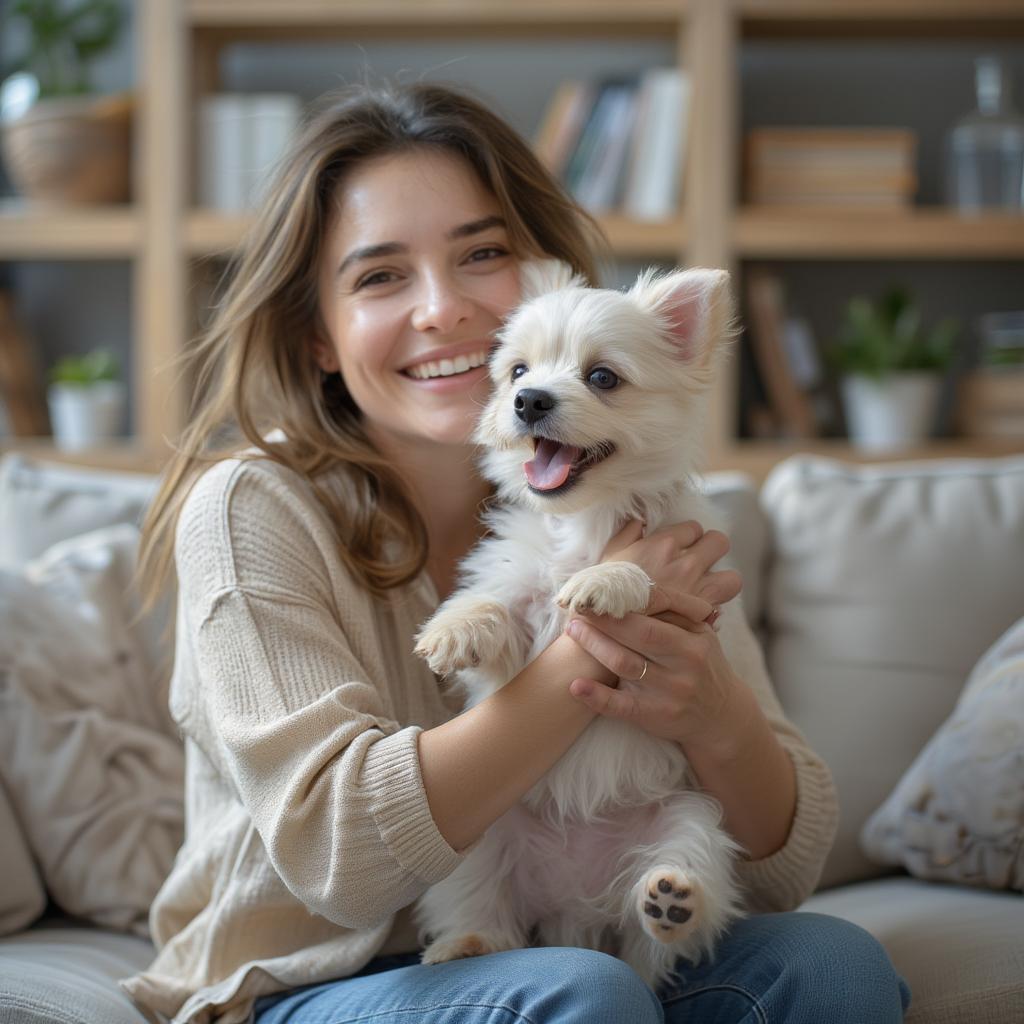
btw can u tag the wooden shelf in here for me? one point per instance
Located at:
(538, 17)
(758, 457)
(920, 233)
(123, 454)
(211, 233)
(873, 18)
(42, 231)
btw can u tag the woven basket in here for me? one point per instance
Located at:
(72, 150)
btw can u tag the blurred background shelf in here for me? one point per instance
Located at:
(749, 62)
(31, 231)
(916, 234)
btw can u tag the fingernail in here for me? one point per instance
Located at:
(581, 688)
(573, 629)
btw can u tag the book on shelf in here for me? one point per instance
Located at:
(848, 167)
(990, 404)
(619, 144)
(21, 388)
(240, 139)
(787, 362)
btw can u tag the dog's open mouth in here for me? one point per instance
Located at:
(556, 466)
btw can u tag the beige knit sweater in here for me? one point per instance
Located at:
(308, 831)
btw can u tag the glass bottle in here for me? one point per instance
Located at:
(985, 151)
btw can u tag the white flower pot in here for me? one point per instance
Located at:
(84, 415)
(896, 412)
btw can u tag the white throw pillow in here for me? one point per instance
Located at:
(88, 754)
(957, 815)
(42, 503)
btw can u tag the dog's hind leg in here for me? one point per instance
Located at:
(474, 911)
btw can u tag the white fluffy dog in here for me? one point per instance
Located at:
(603, 393)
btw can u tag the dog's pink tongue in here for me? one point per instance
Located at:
(549, 468)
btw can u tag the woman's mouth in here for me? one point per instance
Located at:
(453, 367)
(556, 466)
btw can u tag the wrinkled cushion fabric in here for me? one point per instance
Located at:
(957, 815)
(43, 503)
(88, 755)
(22, 897)
(886, 585)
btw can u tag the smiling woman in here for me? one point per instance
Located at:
(317, 508)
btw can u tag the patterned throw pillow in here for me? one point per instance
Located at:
(957, 815)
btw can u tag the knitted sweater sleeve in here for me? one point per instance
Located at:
(291, 718)
(787, 877)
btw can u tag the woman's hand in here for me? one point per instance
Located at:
(675, 681)
(678, 559)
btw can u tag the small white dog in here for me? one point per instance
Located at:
(603, 392)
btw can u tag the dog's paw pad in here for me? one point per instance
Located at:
(669, 905)
(456, 949)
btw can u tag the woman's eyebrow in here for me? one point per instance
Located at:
(372, 252)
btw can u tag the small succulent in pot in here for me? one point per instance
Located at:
(86, 399)
(891, 369)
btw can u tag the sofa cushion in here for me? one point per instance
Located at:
(886, 584)
(61, 973)
(22, 897)
(960, 950)
(42, 503)
(735, 498)
(958, 813)
(88, 754)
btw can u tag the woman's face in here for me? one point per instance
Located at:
(417, 275)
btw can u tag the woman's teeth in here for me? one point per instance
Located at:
(447, 367)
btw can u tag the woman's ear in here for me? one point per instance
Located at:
(324, 355)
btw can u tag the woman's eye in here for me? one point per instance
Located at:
(377, 277)
(489, 252)
(518, 370)
(603, 378)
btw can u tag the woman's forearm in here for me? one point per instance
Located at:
(481, 763)
(754, 780)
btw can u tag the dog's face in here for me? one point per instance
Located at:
(598, 393)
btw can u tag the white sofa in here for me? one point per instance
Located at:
(875, 590)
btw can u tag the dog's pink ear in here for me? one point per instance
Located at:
(694, 306)
(538, 277)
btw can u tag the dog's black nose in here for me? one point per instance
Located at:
(532, 404)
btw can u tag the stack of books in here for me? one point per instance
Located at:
(856, 168)
(991, 403)
(619, 145)
(241, 138)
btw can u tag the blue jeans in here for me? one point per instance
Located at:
(800, 968)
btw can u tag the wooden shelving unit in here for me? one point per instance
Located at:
(179, 45)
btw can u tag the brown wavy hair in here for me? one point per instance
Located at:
(254, 363)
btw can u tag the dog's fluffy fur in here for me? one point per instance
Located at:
(612, 849)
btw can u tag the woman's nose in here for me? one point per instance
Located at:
(440, 305)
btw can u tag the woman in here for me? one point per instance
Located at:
(329, 782)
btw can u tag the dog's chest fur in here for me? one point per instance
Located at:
(526, 560)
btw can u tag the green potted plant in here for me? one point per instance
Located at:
(86, 398)
(60, 141)
(890, 369)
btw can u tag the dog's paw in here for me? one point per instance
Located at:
(670, 905)
(464, 946)
(463, 637)
(611, 588)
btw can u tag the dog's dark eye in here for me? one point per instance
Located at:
(518, 370)
(603, 378)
